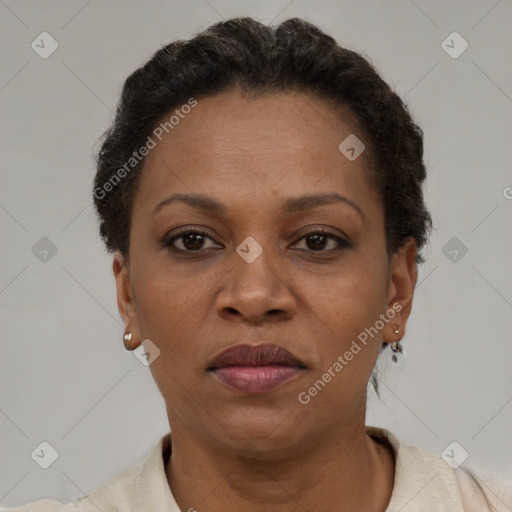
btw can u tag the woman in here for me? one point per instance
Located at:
(260, 190)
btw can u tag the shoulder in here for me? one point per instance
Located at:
(143, 482)
(112, 496)
(39, 506)
(479, 494)
(424, 481)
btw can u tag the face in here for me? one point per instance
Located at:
(266, 265)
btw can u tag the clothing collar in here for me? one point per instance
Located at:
(422, 479)
(424, 482)
(152, 491)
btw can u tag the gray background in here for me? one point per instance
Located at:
(65, 377)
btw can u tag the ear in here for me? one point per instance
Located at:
(125, 300)
(403, 274)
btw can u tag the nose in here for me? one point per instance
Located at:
(255, 292)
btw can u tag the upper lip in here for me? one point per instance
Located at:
(255, 355)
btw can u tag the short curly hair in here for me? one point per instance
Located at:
(261, 59)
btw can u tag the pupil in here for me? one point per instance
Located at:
(193, 241)
(316, 239)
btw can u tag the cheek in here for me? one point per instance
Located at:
(165, 303)
(166, 314)
(345, 314)
(355, 295)
(173, 306)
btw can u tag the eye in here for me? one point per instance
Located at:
(316, 241)
(191, 240)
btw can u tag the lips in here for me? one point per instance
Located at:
(256, 355)
(255, 369)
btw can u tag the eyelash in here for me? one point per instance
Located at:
(168, 241)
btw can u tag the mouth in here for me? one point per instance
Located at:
(255, 369)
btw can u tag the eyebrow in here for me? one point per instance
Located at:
(290, 205)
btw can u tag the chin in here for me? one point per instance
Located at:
(260, 429)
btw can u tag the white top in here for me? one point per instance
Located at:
(424, 482)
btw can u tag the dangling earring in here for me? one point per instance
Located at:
(397, 348)
(126, 339)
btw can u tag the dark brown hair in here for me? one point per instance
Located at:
(294, 56)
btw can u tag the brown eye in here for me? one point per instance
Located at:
(188, 241)
(192, 241)
(318, 240)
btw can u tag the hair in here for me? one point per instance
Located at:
(293, 56)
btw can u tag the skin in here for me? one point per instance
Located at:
(233, 451)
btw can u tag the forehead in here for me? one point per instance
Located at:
(236, 146)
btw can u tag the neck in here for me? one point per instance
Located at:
(344, 471)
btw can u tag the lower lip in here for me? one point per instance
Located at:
(256, 379)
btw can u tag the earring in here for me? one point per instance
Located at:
(396, 347)
(126, 339)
